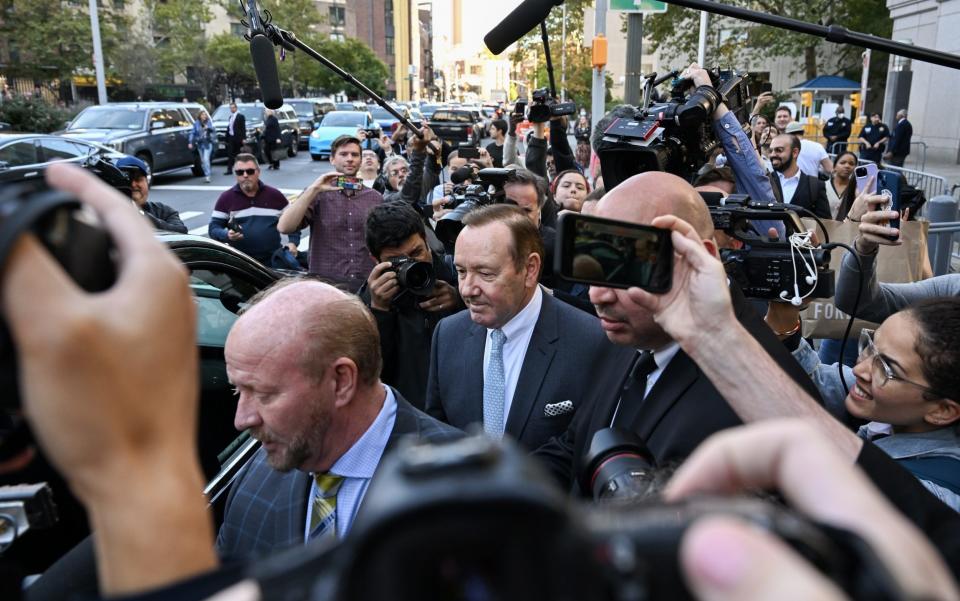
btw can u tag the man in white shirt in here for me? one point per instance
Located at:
(514, 360)
(790, 184)
(813, 156)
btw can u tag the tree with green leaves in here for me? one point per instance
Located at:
(355, 57)
(51, 39)
(228, 57)
(733, 42)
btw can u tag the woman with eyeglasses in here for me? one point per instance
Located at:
(905, 385)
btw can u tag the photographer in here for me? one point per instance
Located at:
(405, 321)
(559, 149)
(880, 300)
(163, 217)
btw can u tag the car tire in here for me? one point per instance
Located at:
(294, 147)
(146, 158)
(316, 157)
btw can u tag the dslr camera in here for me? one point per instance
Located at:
(416, 277)
(675, 136)
(465, 198)
(543, 107)
(782, 269)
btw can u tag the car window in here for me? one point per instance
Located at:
(458, 116)
(220, 295)
(343, 119)
(170, 118)
(19, 154)
(109, 118)
(194, 111)
(55, 149)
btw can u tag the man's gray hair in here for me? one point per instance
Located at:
(389, 163)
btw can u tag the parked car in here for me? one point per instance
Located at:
(388, 123)
(454, 126)
(336, 124)
(24, 157)
(253, 113)
(309, 112)
(155, 132)
(427, 110)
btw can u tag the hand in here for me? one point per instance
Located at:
(699, 300)
(888, 155)
(383, 286)
(865, 201)
(445, 298)
(514, 122)
(361, 134)
(724, 558)
(447, 189)
(385, 144)
(762, 101)
(326, 182)
(419, 144)
(293, 249)
(117, 357)
(782, 317)
(485, 159)
(874, 231)
(233, 236)
(190, 146)
(698, 75)
(440, 207)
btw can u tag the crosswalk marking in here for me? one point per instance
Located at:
(200, 231)
(190, 215)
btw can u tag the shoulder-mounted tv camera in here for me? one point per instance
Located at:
(543, 107)
(788, 267)
(488, 189)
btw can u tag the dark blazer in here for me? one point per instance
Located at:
(811, 194)
(564, 342)
(681, 410)
(239, 130)
(266, 510)
(900, 139)
(271, 129)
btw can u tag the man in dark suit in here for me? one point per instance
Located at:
(900, 140)
(236, 135)
(647, 384)
(305, 359)
(790, 185)
(515, 360)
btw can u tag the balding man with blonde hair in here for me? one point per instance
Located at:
(647, 384)
(305, 360)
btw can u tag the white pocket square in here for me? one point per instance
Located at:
(561, 408)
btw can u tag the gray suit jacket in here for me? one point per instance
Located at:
(266, 510)
(554, 370)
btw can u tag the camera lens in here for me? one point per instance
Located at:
(618, 466)
(417, 277)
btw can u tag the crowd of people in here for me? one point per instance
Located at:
(334, 369)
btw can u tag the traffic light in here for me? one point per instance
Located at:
(855, 103)
(806, 99)
(600, 51)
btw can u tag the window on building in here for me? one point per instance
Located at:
(337, 37)
(388, 44)
(338, 16)
(476, 69)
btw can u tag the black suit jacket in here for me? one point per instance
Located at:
(564, 342)
(681, 410)
(266, 510)
(811, 194)
(900, 140)
(239, 130)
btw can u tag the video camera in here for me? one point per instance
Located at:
(436, 518)
(465, 198)
(787, 268)
(675, 136)
(543, 107)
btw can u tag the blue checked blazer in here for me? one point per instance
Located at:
(266, 510)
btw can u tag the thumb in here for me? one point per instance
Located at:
(723, 559)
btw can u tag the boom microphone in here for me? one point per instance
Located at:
(265, 65)
(525, 17)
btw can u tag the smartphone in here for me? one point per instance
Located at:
(888, 184)
(520, 108)
(345, 182)
(615, 254)
(468, 152)
(766, 86)
(233, 226)
(863, 174)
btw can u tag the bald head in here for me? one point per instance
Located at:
(648, 195)
(316, 321)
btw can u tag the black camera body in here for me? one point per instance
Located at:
(416, 277)
(769, 269)
(543, 107)
(675, 136)
(465, 198)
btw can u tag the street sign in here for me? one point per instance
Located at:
(639, 6)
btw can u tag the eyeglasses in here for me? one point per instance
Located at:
(396, 172)
(241, 172)
(885, 373)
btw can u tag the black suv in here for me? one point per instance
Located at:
(454, 125)
(155, 132)
(253, 113)
(310, 112)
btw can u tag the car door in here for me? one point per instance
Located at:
(184, 125)
(161, 139)
(59, 150)
(19, 161)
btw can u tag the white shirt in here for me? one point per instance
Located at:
(357, 466)
(519, 331)
(789, 185)
(810, 156)
(233, 117)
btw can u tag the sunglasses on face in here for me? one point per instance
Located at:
(242, 172)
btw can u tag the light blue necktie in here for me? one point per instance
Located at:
(494, 387)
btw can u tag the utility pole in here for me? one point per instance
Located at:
(702, 46)
(97, 53)
(598, 90)
(563, 57)
(634, 66)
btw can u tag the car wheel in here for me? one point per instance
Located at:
(316, 157)
(146, 158)
(294, 147)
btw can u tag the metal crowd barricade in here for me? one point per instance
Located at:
(931, 185)
(941, 244)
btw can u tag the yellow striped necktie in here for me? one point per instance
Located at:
(323, 520)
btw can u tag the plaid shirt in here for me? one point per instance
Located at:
(337, 247)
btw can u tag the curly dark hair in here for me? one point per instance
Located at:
(389, 225)
(938, 343)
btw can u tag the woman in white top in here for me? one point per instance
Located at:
(842, 187)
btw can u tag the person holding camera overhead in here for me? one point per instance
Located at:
(409, 291)
(335, 208)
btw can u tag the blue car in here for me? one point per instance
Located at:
(334, 125)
